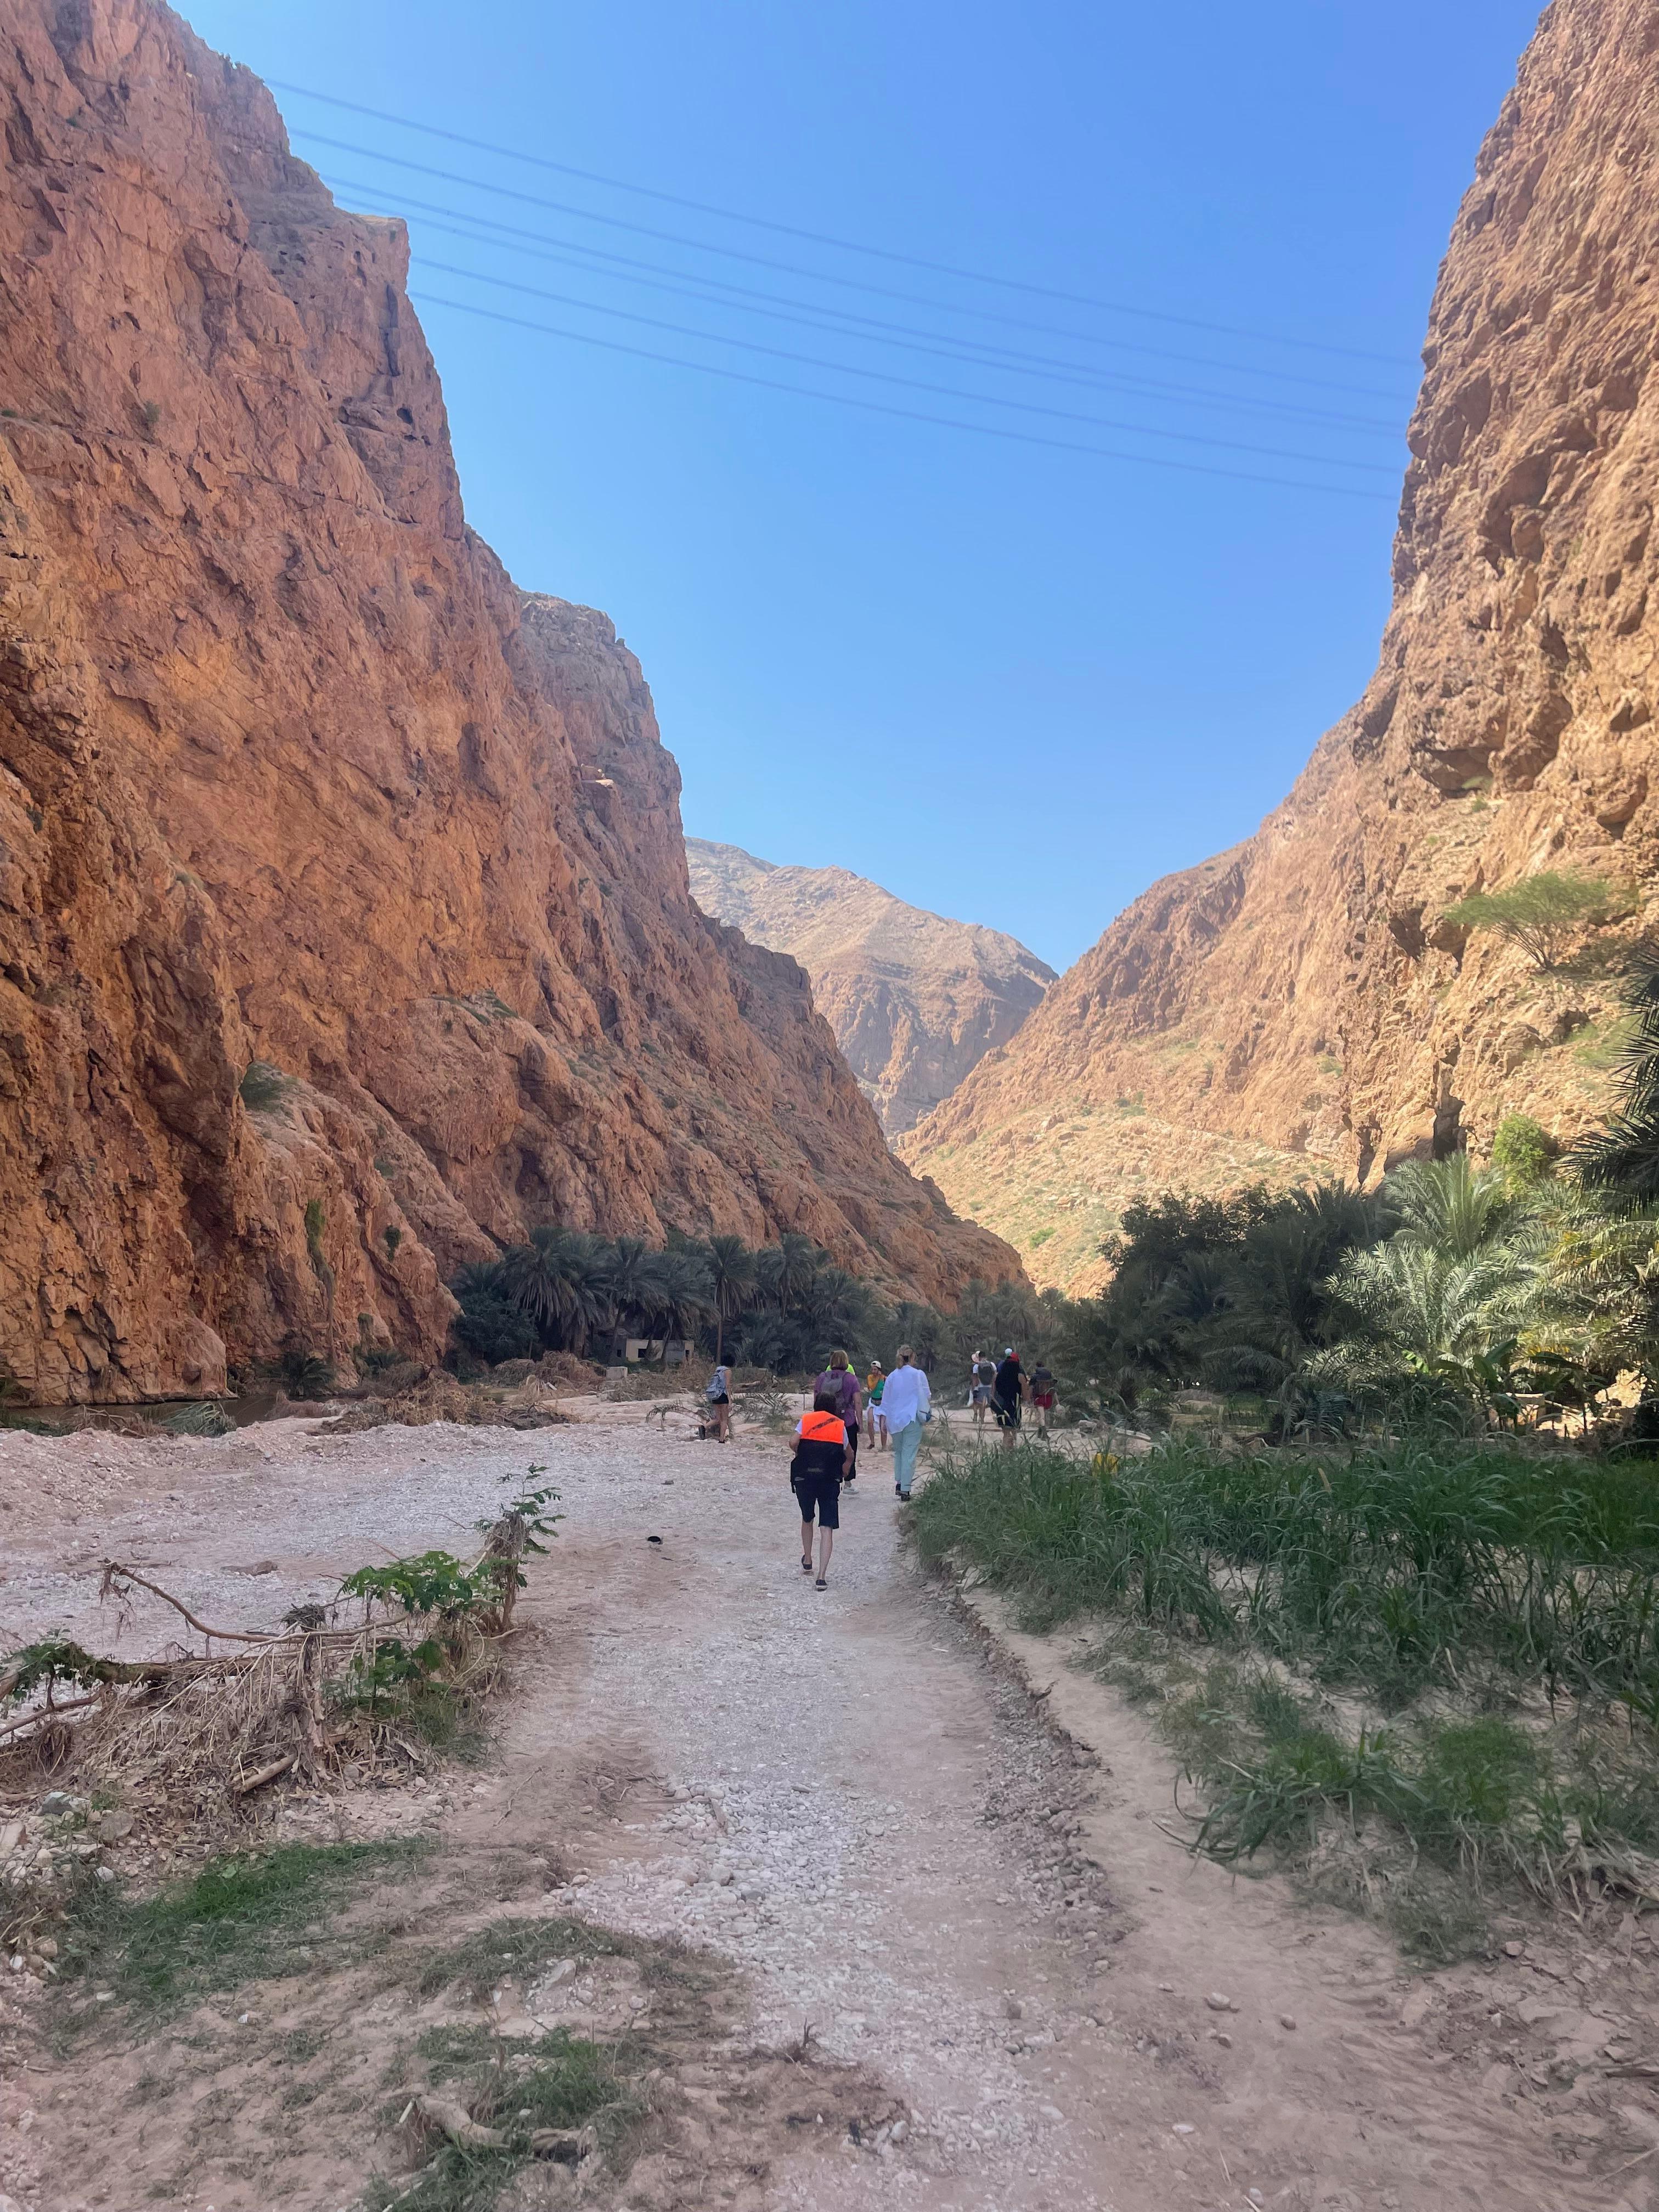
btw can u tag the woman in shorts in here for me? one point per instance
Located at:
(822, 1457)
(981, 1376)
(1043, 1395)
(717, 1396)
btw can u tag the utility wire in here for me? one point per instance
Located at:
(823, 238)
(912, 383)
(973, 352)
(904, 414)
(761, 261)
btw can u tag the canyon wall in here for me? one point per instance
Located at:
(1302, 1005)
(294, 781)
(915, 1000)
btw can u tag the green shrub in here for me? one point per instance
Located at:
(264, 1087)
(1522, 1151)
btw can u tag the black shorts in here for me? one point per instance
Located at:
(819, 1494)
(721, 1401)
(1007, 1411)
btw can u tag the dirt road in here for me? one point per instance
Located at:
(855, 1795)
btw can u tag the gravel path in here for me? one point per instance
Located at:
(853, 1794)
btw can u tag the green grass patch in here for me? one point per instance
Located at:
(247, 1918)
(515, 2085)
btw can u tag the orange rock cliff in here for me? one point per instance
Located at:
(291, 774)
(1301, 1003)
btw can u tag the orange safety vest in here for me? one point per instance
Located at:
(824, 1429)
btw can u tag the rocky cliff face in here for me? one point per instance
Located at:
(1301, 1003)
(292, 774)
(916, 1001)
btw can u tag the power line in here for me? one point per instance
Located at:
(762, 261)
(823, 238)
(975, 353)
(903, 414)
(912, 383)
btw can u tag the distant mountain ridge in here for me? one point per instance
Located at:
(915, 1000)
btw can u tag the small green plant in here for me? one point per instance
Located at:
(392, 1237)
(55, 1662)
(1542, 913)
(264, 1088)
(434, 1582)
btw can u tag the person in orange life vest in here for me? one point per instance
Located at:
(822, 1456)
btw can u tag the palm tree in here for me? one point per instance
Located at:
(1622, 1159)
(1446, 1311)
(686, 1293)
(783, 1270)
(632, 1277)
(1448, 1207)
(558, 1278)
(730, 1282)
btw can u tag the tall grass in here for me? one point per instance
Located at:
(1393, 1569)
(1239, 1593)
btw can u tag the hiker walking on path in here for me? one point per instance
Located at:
(981, 1375)
(1043, 1395)
(717, 1396)
(875, 1422)
(839, 1382)
(906, 1403)
(823, 1460)
(1008, 1394)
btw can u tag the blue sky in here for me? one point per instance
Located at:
(1012, 681)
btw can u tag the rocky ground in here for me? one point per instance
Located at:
(882, 1816)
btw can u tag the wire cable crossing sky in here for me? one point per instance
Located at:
(819, 237)
(986, 427)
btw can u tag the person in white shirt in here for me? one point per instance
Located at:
(906, 1403)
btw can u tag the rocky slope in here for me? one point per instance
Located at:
(916, 1001)
(1301, 1003)
(290, 773)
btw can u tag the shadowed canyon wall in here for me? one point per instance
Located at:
(1302, 1004)
(290, 773)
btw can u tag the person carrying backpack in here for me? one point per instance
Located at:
(1007, 1394)
(838, 1382)
(1043, 1395)
(822, 1456)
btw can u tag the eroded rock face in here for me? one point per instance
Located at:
(1301, 1003)
(916, 1001)
(292, 773)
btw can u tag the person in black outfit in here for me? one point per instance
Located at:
(1007, 1395)
(822, 1457)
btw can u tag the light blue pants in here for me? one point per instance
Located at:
(905, 1443)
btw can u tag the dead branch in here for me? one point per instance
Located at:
(278, 1766)
(451, 2117)
(113, 1567)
